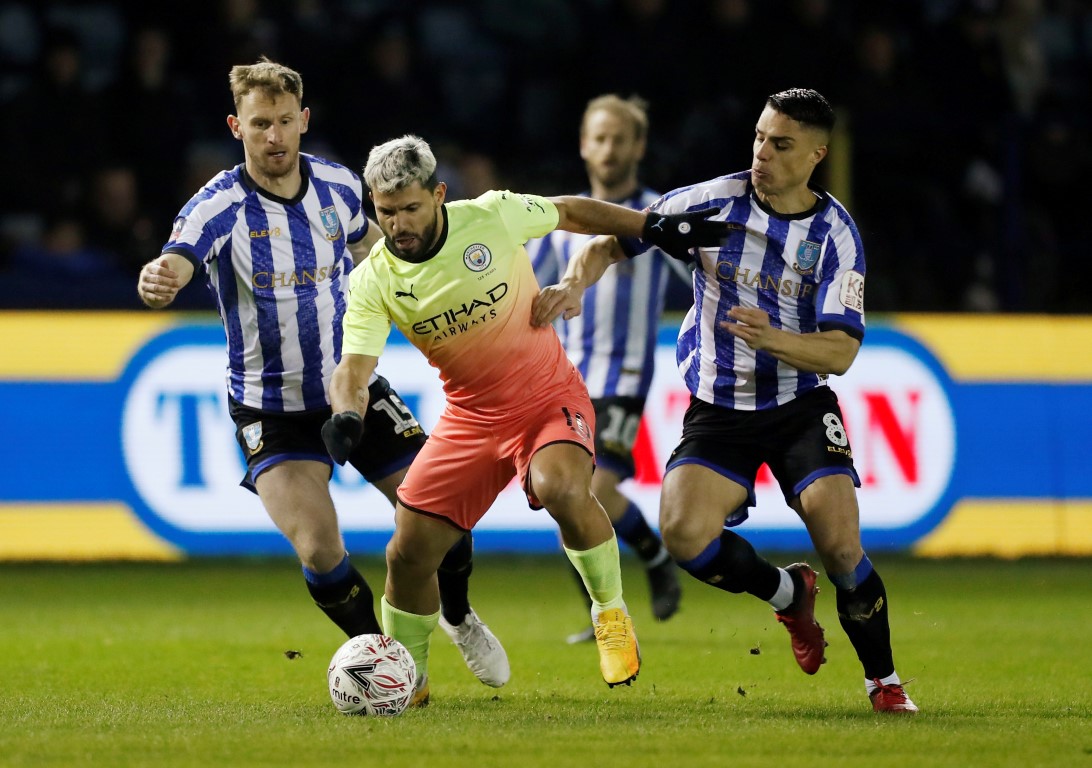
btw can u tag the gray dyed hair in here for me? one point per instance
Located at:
(396, 164)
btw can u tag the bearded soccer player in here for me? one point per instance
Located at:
(277, 236)
(778, 309)
(456, 280)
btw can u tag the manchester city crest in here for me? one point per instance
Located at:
(252, 434)
(477, 257)
(330, 222)
(807, 254)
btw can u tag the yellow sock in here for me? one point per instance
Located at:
(602, 574)
(410, 629)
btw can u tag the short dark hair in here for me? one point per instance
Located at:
(804, 105)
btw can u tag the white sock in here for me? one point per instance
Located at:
(782, 598)
(892, 679)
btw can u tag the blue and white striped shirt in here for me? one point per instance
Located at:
(613, 340)
(806, 270)
(279, 271)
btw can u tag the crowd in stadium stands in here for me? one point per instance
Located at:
(966, 125)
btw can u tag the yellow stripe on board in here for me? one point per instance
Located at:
(1005, 347)
(78, 346)
(97, 345)
(78, 532)
(1000, 528)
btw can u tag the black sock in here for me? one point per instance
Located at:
(731, 563)
(863, 615)
(348, 603)
(635, 531)
(454, 578)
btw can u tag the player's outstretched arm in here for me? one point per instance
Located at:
(162, 278)
(349, 402)
(585, 268)
(676, 234)
(588, 216)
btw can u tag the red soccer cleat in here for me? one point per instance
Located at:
(891, 698)
(799, 618)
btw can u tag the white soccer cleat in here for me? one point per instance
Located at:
(481, 649)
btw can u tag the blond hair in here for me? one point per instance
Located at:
(634, 109)
(268, 76)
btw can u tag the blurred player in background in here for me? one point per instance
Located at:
(613, 340)
(456, 280)
(277, 236)
(777, 310)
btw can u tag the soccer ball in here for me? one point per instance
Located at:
(372, 675)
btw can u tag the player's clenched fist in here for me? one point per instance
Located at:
(158, 283)
(676, 233)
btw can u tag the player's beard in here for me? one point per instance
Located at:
(424, 243)
(611, 177)
(279, 170)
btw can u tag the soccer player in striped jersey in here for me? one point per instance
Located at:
(277, 236)
(457, 281)
(778, 308)
(613, 340)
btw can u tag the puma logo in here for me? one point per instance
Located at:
(659, 225)
(404, 294)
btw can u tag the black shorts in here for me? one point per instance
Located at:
(392, 436)
(616, 422)
(801, 441)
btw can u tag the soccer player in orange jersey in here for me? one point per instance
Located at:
(456, 280)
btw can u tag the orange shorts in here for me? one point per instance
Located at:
(468, 459)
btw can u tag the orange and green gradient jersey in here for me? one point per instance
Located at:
(468, 306)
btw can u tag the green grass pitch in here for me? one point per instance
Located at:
(186, 665)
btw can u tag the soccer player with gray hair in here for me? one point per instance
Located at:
(457, 281)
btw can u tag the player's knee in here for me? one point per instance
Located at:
(604, 485)
(400, 560)
(727, 562)
(684, 535)
(317, 552)
(841, 557)
(731, 566)
(676, 539)
(561, 492)
(849, 579)
(414, 557)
